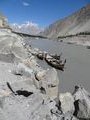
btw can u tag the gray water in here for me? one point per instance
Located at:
(77, 69)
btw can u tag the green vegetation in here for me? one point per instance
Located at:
(78, 34)
(83, 33)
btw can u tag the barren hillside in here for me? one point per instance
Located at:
(75, 23)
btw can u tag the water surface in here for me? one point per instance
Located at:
(77, 69)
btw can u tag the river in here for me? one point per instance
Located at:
(77, 68)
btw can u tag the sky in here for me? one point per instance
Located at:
(41, 12)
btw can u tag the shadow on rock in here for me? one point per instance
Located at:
(25, 93)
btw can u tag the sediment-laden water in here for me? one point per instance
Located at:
(77, 69)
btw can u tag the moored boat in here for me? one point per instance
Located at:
(55, 63)
(40, 56)
(56, 56)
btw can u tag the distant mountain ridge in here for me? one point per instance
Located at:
(73, 24)
(27, 28)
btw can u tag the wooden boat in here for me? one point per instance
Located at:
(55, 63)
(40, 56)
(56, 56)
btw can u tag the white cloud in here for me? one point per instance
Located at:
(25, 4)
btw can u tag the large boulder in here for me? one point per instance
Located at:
(22, 69)
(9, 58)
(32, 63)
(49, 81)
(12, 43)
(19, 107)
(82, 103)
(67, 102)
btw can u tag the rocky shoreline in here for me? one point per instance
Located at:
(19, 68)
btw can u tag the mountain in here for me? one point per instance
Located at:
(28, 28)
(75, 23)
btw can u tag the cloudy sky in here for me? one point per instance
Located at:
(42, 12)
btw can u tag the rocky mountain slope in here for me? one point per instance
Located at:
(75, 23)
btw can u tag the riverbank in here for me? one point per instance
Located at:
(83, 40)
(19, 68)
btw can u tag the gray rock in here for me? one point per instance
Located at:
(49, 81)
(67, 102)
(22, 69)
(69, 116)
(82, 99)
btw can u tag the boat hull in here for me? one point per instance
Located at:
(55, 64)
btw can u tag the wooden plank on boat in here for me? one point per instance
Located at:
(55, 64)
